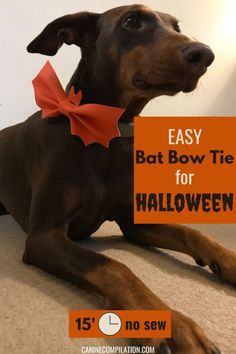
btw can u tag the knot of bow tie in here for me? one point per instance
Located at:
(93, 123)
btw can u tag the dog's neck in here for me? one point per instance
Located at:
(104, 92)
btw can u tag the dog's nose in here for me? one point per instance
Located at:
(197, 53)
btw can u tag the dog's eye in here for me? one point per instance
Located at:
(132, 22)
(177, 28)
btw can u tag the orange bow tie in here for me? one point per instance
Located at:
(93, 123)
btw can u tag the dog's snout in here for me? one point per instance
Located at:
(197, 53)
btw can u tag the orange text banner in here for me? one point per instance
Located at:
(120, 324)
(184, 170)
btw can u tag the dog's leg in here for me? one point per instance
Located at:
(201, 247)
(52, 251)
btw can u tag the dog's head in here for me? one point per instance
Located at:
(142, 51)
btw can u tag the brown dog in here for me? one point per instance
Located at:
(60, 191)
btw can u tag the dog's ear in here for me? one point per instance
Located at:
(80, 29)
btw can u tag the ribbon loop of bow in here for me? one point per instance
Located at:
(93, 123)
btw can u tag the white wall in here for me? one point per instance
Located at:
(211, 21)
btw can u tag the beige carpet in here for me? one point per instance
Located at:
(34, 305)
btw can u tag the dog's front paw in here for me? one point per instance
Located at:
(224, 266)
(187, 338)
(222, 263)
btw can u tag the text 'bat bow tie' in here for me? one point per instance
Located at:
(93, 123)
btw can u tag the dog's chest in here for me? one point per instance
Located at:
(107, 189)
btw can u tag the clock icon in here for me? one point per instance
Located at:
(109, 323)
